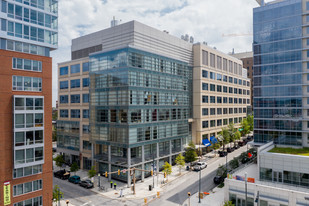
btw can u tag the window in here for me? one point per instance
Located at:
(219, 88)
(204, 99)
(212, 75)
(219, 100)
(27, 64)
(75, 83)
(212, 99)
(64, 70)
(205, 111)
(212, 60)
(235, 120)
(230, 110)
(212, 87)
(75, 113)
(21, 83)
(219, 62)
(307, 5)
(86, 113)
(85, 98)
(27, 187)
(224, 110)
(224, 78)
(64, 99)
(86, 145)
(212, 123)
(219, 111)
(86, 67)
(219, 77)
(212, 111)
(225, 100)
(240, 82)
(75, 98)
(219, 122)
(224, 89)
(204, 73)
(64, 85)
(27, 171)
(235, 110)
(37, 201)
(235, 80)
(205, 124)
(235, 100)
(86, 129)
(230, 79)
(75, 68)
(204, 57)
(235, 90)
(231, 90)
(224, 64)
(230, 100)
(64, 113)
(205, 86)
(85, 82)
(224, 121)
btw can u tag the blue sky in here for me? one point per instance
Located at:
(205, 20)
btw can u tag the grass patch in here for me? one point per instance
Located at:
(300, 151)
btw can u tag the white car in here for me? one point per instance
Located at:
(200, 166)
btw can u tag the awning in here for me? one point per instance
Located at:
(206, 142)
(213, 139)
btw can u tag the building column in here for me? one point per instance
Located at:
(170, 155)
(143, 164)
(109, 162)
(129, 164)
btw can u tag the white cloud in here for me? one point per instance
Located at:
(206, 20)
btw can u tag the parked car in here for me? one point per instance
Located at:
(62, 174)
(241, 143)
(230, 149)
(74, 179)
(222, 153)
(218, 179)
(199, 166)
(86, 184)
(249, 138)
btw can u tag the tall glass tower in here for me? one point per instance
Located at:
(281, 81)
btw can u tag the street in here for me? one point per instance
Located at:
(80, 196)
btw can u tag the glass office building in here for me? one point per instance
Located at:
(280, 83)
(139, 109)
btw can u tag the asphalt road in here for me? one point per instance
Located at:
(206, 185)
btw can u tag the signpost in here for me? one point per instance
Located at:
(7, 193)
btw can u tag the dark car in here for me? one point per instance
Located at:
(62, 174)
(222, 153)
(241, 143)
(230, 149)
(249, 138)
(86, 184)
(218, 179)
(74, 179)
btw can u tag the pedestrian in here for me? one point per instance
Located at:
(115, 185)
(111, 184)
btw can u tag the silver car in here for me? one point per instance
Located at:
(200, 166)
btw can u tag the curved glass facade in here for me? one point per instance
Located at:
(278, 73)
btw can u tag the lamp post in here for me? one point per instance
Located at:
(99, 182)
(55, 201)
(246, 201)
(67, 202)
(199, 182)
(153, 167)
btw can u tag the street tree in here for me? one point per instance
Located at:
(225, 137)
(167, 168)
(57, 194)
(180, 162)
(190, 155)
(92, 172)
(59, 160)
(234, 163)
(74, 167)
(228, 203)
(245, 127)
(250, 122)
(237, 135)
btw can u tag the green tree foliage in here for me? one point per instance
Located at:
(57, 194)
(221, 171)
(180, 162)
(167, 168)
(225, 136)
(245, 127)
(74, 167)
(237, 135)
(59, 160)
(228, 203)
(234, 163)
(55, 115)
(250, 122)
(190, 155)
(92, 172)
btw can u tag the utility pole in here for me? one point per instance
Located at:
(199, 187)
(134, 181)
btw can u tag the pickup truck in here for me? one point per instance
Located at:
(62, 174)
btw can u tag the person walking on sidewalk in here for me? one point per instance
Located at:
(111, 184)
(115, 185)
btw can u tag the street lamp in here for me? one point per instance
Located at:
(99, 182)
(246, 201)
(153, 167)
(199, 186)
(55, 200)
(67, 202)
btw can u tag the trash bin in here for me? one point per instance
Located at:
(150, 187)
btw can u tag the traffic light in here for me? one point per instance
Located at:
(151, 172)
(118, 172)
(164, 174)
(105, 174)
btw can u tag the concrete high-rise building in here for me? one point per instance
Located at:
(247, 62)
(28, 34)
(221, 92)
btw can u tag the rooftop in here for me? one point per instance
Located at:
(293, 151)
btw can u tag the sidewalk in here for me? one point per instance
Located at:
(215, 198)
